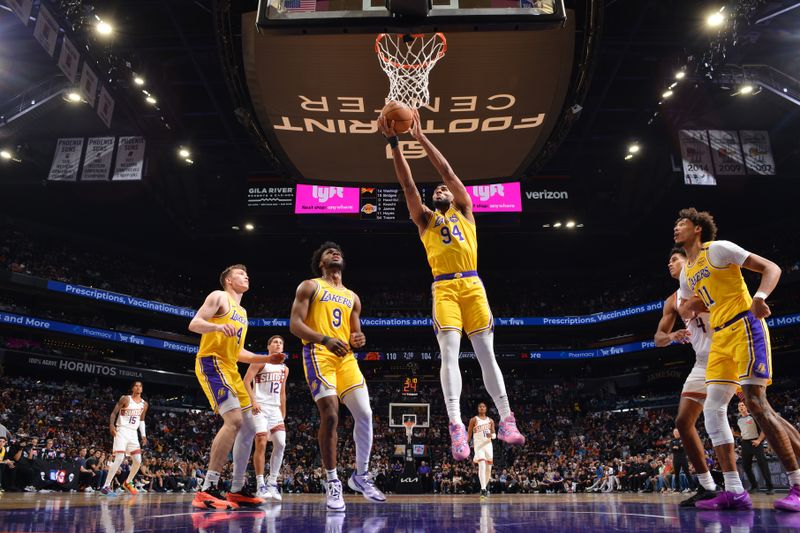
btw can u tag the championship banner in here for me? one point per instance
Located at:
(105, 109)
(696, 155)
(22, 8)
(757, 153)
(89, 84)
(130, 159)
(66, 160)
(68, 60)
(46, 30)
(97, 161)
(727, 152)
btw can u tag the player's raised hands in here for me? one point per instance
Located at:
(357, 339)
(416, 126)
(386, 127)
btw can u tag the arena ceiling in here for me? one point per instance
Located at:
(174, 46)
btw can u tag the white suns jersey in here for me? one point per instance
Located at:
(700, 338)
(482, 431)
(129, 417)
(269, 383)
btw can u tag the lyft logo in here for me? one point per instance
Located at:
(484, 192)
(323, 194)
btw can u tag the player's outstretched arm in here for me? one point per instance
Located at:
(215, 303)
(249, 376)
(664, 335)
(297, 325)
(460, 196)
(357, 338)
(246, 356)
(770, 274)
(419, 213)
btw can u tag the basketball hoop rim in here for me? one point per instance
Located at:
(424, 64)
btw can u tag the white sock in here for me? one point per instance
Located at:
(483, 474)
(118, 458)
(357, 403)
(276, 458)
(259, 481)
(212, 477)
(242, 447)
(450, 374)
(332, 475)
(483, 344)
(706, 481)
(794, 478)
(732, 482)
(137, 462)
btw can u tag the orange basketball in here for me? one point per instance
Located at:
(399, 114)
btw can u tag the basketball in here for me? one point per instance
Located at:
(399, 115)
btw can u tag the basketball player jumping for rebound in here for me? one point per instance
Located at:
(693, 395)
(266, 385)
(481, 432)
(326, 317)
(740, 348)
(126, 418)
(222, 322)
(459, 298)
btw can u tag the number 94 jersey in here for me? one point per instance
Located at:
(451, 243)
(329, 313)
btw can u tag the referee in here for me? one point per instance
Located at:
(753, 444)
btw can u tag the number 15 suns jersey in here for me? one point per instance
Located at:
(217, 344)
(329, 313)
(451, 242)
(129, 417)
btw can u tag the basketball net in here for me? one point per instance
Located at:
(408, 60)
(409, 424)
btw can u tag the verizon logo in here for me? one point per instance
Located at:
(547, 195)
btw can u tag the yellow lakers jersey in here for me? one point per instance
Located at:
(722, 289)
(451, 243)
(329, 313)
(216, 343)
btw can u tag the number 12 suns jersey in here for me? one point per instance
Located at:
(268, 384)
(130, 416)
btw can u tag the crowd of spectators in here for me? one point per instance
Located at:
(555, 293)
(576, 441)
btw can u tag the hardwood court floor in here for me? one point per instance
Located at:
(57, 512)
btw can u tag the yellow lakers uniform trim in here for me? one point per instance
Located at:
(216, 363)
(329, 313)
(451, 243)
(459, 302)
(740, 347)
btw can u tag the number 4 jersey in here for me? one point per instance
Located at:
(700, 338)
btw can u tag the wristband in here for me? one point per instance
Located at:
(142, 430)
(760, 294)
(325, 339)
(393, 141)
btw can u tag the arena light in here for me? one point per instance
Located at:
(579, 226)
(184, 153)
(715, 20)
(5, 154)
(249, 227)
(680, 75)
(545, 225)
(235, 228)
(667, 94)
(571, 224)
(673, 85)
(746, 89)
(628, 157)
(73, 97)
(104, 28)
(150, 100)
(138, 80)
(189, 161)
(634, 148)
(557, 225)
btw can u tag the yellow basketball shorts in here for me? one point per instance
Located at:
(222, 384)
(328, 374)
(461, 304)
(740, 352)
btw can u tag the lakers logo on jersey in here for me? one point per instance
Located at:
(217, 343)
(761, 368)
(329, 312)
